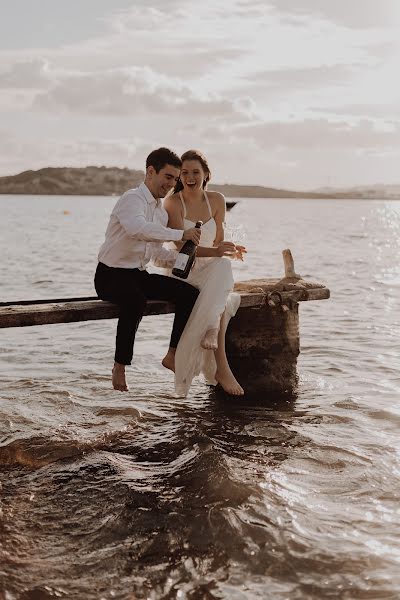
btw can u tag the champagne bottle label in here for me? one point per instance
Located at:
(181, 261)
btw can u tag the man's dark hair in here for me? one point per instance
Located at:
(161, 157)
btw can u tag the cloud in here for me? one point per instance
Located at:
(305, 154)
(365, 14)
(23, 153)
(26, 74)
(176, 39)
(144, 18)
(134, 91)
(320, 135)
(50, 24)
(306, 78)
(180, 42)
(367, 110)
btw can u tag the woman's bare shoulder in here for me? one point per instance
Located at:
(216, 198)
(172, 202)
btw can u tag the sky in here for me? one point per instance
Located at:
(297, 94)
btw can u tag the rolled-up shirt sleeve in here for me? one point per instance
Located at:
(131, 213)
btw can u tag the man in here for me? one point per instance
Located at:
(135, 235)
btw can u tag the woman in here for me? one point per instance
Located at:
(202, 345)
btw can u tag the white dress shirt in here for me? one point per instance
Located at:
(136, 232)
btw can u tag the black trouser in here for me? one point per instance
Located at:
(130, 289)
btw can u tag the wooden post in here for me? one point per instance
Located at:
(263, 343)
(288, 263)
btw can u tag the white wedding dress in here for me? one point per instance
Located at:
(213, 277)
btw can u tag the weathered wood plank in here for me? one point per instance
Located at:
(301, 295)
(24, 315)
(69, 312)
(48, 301)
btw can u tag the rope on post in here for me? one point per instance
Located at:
(274, 298)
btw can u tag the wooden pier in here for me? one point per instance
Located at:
(262, 341)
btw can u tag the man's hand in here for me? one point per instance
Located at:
(192, 234)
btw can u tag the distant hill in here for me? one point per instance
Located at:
(377, 190)
(258, 191)
(88, 181)
(113, 181)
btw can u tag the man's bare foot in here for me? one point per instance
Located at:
(210, 340)
(228, 382)
(118, 378)
(169, 359)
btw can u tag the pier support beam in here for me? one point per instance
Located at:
(263, 343)
(262, 346)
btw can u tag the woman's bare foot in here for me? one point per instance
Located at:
(228, 382)
(210, 340)
(169, 359)
(118, 378)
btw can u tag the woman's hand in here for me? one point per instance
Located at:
(239, 251)
(225, 249)
(231, 250)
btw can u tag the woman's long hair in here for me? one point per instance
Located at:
(194, 155)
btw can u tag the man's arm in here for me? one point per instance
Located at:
(131, 213)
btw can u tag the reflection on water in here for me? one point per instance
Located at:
(145, 496)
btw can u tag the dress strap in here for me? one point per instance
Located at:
(183, 204)
(208, 204)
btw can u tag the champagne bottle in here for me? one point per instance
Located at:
(185, 259)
